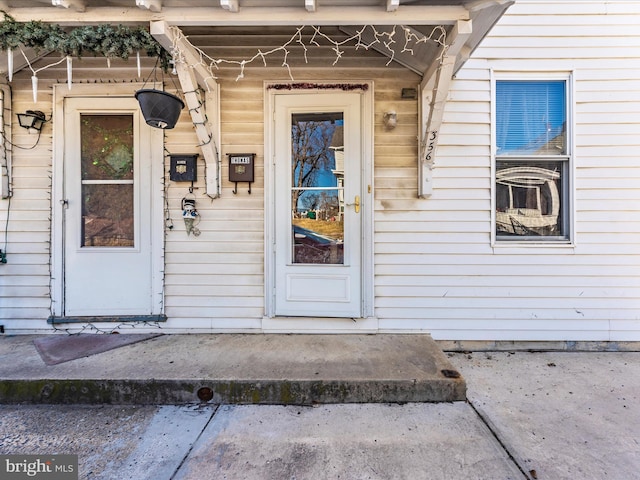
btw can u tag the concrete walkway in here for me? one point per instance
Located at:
(528, 415)
(238, 369)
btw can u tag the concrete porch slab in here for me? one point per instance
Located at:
(237, 369)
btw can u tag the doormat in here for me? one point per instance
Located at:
(57, 349)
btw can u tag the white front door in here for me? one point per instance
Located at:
(318, 205)
(107, 205)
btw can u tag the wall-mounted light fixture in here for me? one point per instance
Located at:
(390, 119)
(32, 119)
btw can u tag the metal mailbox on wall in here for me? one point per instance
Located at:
(241, 166)
(183, 168)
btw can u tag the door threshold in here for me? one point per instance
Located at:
(319, 325)
(55, 320)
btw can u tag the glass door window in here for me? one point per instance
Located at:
(107, 181)
(317, 188)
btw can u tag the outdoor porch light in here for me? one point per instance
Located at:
(390, 119)
(32, 119)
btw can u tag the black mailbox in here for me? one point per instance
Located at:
(183, 168)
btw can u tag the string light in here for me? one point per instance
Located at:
(92, 328)
(386, 39)
(34, 73)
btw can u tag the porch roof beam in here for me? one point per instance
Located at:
(250, 16)
(231, 5)
(152, 5)
(204, 115)
(77, 5)
(310, 5)
(434, 91)
(166, 37)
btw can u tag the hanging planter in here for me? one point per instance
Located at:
(159, 108)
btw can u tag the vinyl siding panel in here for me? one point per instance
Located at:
(25, 286)
(462, 288)
(218, 275)
(435, 268)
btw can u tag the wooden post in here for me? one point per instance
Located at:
(204, 115)
(434, 91)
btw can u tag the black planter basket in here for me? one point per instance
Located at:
(160, 109)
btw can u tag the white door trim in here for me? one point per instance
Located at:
(60, 92)
(368, 322)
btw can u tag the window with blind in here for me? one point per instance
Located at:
(532, 160)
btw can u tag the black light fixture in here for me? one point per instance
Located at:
(32, 119)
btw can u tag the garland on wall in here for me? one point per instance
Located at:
(110, 41)
(346, 87)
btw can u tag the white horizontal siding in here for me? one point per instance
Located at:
(219, 274)
(25, 278)
(435, 269)
(446, 279)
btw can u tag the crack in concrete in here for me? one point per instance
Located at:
(188, 453)
(502, 444)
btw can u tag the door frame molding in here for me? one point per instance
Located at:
(367, 323)
(60, 93)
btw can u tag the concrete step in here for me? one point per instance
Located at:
(237, 369)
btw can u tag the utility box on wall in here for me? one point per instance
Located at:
(183, 168)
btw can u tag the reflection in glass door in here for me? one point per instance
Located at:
(317, 215)
(317, 188)
(107, 180)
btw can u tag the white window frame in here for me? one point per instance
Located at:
(569, 195)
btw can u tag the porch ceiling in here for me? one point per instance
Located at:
(236, 18)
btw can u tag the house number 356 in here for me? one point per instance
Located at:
(432, 144)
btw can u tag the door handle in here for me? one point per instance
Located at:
(355, 204)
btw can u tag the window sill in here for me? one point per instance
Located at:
(529, 246)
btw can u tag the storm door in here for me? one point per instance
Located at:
(107, 209)
(318, 205)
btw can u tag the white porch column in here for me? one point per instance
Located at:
(205, 116)
(434, 91)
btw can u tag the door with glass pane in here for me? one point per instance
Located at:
(107, 205)
(317, 205)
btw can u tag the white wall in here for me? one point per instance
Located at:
(25, 278)
(435, 268)
(450, 281)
